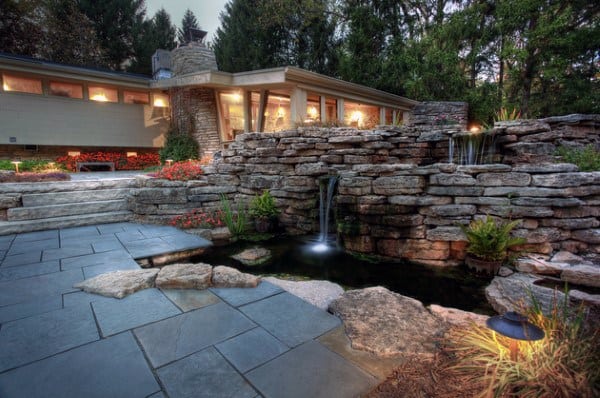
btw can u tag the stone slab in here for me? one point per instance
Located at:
(37, 337)
(35, 287)
(34, 256)
(251, 349)
(114, 367)
(189, 299)
(241, 296)
(88, 230)
(310, 370)
(130, 236)
(156, 231)
(107, 245)
(139, 309)
(95, 270)
(84, 299)
(35, 236)
(290, 319)
(147, 247)
(30, 308)
(112, 228)
(39, 245)
(66, 252)
(6, 241)
(176, 337)
(204, 374)
(26, 271)
(87, 240)
(185, 241)
(115, 256)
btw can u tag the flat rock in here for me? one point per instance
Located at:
(119, 284)
(253, 256)
(539, 266)
(184, 276)
(587, 275)
(569, 258)
(457, 317)
(386, 323)
(318, 293)
(223, 276)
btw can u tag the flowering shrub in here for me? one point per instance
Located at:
(181, 171)
(198, 219)
(121, 160)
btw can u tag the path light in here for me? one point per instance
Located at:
(169, 162)
(515, 326)
(16, 163)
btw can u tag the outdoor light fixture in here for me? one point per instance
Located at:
(169, 162)
(516, 327)
(101, 97)
(475, 129)
(73, 153)
(16, 163)
(131, 154)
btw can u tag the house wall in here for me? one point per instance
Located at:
(44, 120)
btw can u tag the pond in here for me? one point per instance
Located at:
(450, 287)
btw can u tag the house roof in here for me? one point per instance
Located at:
(24, 64)
(288, 76)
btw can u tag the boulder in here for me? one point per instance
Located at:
(184, 276)
(223, 276)
(569, 258)
(119, 284)
(586, 275)
(539, 266)
(514, 292)
(318, 293)
(253, 256)
(386, 323)
(456, 317)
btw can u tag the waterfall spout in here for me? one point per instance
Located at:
(325, 199)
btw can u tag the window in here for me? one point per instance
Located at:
(331, 110)
(277, 113)
(69, 90)
(360, 116)
(232, 114)
(135, 97)
(21, 84)
(313, 109)
(103, 94)
(160, 100)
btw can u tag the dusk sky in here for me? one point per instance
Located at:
(206, 11)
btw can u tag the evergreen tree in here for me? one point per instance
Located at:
(164, 30)
(20, 27)
(188, 22)
(151, 35)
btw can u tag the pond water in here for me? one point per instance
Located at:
(450, 287)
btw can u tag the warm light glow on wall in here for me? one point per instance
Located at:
(357, 116)
(475, 129)
(6, 87)
(280, 112)
(73, 153)
(313, 113)
(237, 98)
(160, 101)
(131, 154)
(99, 97)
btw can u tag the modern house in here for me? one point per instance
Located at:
(49, 109)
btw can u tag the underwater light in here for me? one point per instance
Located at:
(320, 247)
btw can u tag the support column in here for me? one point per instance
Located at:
(323, 109)
(340, 110)
(247, 111)
(298, 105)
(260, 118)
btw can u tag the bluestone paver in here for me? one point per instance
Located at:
(130, 235)
(290, 319)
(241, 296)
(24, 247)
(65, 252)
(204, 374)
(27, 289)
(6, 241)
(95, 259)
(31, 257)
(27, 340)
(86, 240)
(176, 337)
(84, 299)
(107, 245)
(75, 232)
(114, 367)
(138, 309)
(185, 241)
(158, 231)
(310, 370)
(95, 270)
(29, 308)
(147, 247)
(191, 299)
(35, 236)
(251, 349)
(25, 271)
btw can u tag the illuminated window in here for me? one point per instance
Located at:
(331, 109)
(277, 113)
(160, 100)
(313, 109)
(21, 84)
(103, 94)
(389, 116)
(69, 90)
(360, 116)
(135, 97)
(232, 115)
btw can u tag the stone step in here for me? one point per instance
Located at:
(57, 198)
(15, 227)
(61, 210)
(66, 186)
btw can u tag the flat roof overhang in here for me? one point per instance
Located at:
(286, 77)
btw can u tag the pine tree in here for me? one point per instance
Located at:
(188, 22)
(20, 27)
(154, 34)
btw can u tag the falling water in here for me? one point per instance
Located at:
(470, 149)
(325, 199)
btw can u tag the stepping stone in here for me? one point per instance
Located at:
(147, 247)
(27, 340)
(184, 276)
(204, 374)
(310, 370)
(36, 287)
(139, 309)
(251, 349)
(241, 296)
(223, 276)
(188, 299)
(290, 319)
(114, 367)
(253, 256)
(176, 337)
(119, 284)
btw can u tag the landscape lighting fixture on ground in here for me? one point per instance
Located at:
(515, 326)
(169, 162)
(16, 163)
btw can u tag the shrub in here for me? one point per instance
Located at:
(181, 171)
(587, 158)
(489, 239)
(35, 165)
(179, 147)
(198, 219)
(263, 206)
(121, 160)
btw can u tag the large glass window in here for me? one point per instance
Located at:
(313, 109)
(331, 110)
(69, 90)
(277, 114)
(21, 84)
(103, 94)
(360, 116)
(135, 97)
(232, 114)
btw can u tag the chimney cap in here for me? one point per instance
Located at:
(196, 35)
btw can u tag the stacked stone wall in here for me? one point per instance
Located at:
(442, 114)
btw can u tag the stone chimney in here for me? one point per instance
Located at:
(194, 56)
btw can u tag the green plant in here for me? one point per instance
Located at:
(563, 364)
(263, 206)
(197, 218)
(587, 158)
(503, 114)
(179, 147)
(181, 171)
(234, 220)
(490, 240)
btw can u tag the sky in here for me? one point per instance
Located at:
(206, 12)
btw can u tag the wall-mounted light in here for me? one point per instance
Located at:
(160, 101)
(280, 112)
(131, 154)
(516, 327)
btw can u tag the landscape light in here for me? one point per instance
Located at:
(16, 163)
(169, 162)
(516, 327)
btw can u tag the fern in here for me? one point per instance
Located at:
(490, 240)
